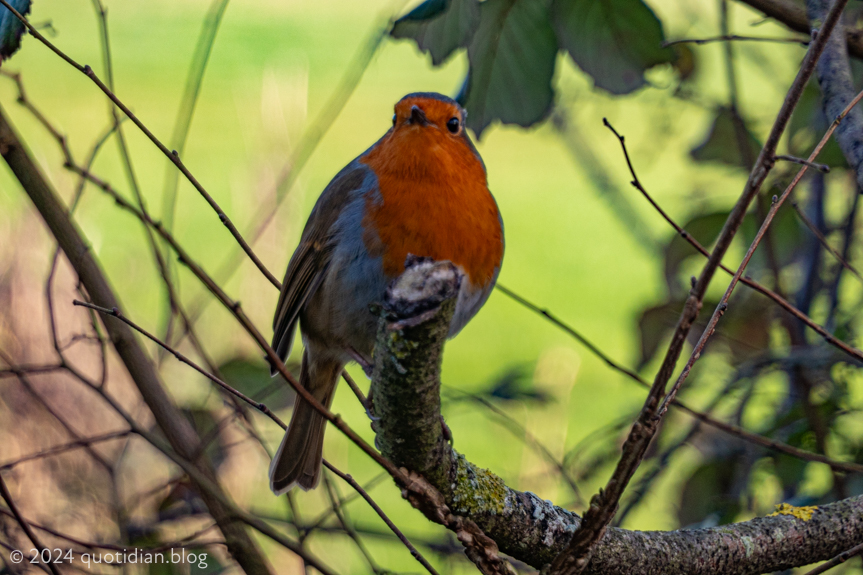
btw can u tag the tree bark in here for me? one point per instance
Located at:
(794, 17)
(833, 72)
(414, 323)
(170, 420)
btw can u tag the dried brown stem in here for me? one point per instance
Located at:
(723, 303)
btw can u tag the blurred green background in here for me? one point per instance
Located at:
(570, 248)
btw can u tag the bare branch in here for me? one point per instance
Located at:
(7, 497)
(823, 168)
(604, 504)
(823, 241)
(735, 38)
(838, 560)
(749, 282)
(56, 450)
(176, 428)
(405, 383)
(172, 156)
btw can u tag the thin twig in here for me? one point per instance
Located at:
(838, 560)
(180, 357)
(257, 405)
(749, 282)
(172, 156)
(25, 526)
(58, 449)
(731, 429)
(723, 303)
(574, 559)
(342, 517)
(365, 495)
(735, 38)
(823, 241)
(823, 168)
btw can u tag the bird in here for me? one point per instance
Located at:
(420, 190)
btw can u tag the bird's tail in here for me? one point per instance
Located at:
(298, 460)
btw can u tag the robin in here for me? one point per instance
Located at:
(422, 190)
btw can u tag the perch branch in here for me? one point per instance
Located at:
(406, 382)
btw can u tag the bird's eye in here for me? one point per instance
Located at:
(452, 125)
(394, 119)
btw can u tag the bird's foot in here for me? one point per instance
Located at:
(370, 407)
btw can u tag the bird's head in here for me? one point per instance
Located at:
(428, 131)
(429, 111)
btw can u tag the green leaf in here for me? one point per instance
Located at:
(614, 41)
(723, 142)
(439, 27)
(11, 27)
(512, 56)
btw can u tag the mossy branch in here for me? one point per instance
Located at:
(477, 504)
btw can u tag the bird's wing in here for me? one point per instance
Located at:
(308, 266)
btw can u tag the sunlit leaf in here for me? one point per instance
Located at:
(730, 141)
(614, 41)
(512, 56)
(11, 27)
(439, 27)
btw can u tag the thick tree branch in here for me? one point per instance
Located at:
(794, 17)
(837, 87)
(176, 428)
(405, 390)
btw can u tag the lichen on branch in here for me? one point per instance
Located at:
(488, 516)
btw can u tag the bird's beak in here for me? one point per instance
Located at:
(418, 117)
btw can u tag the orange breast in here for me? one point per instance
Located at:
(435, 203)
